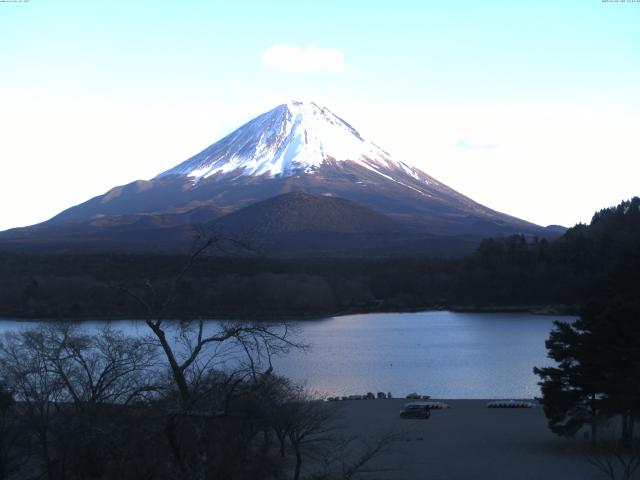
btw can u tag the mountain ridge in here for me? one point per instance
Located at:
(295, 147)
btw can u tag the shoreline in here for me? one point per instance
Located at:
(439, 399)
(560, 310)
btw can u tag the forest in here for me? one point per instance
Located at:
(601, 259)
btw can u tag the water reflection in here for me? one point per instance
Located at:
(443, 354)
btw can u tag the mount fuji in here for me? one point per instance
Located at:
(291, 138)
(295, 147)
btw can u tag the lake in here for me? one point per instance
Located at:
(442, 354)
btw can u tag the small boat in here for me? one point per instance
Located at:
(510, 404)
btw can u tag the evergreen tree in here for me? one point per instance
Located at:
(616, 328)
(598, 370)
(572, 395)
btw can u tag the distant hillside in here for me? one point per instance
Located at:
(299, 212)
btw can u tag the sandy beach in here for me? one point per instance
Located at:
(469, 441)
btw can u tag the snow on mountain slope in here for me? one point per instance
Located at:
(300, 147)
(293, 137)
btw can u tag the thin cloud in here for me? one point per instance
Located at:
(295, 59)
(466, 145)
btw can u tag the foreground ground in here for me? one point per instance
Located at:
(469, 441)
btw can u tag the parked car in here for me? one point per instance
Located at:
(416, 410)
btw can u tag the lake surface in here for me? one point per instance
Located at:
(442, 354)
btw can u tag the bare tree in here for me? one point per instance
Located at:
(313, 431)
(24, 368)
(13, 455)
(198, 355)
(104, 368)
(196, 348)
(67, 382)
(617, 459)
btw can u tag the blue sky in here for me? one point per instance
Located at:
(530, 107)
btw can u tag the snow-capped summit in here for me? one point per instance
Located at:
(293, 137)
(296, 147)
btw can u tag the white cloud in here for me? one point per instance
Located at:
(294, 59)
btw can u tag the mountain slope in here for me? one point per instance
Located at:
(299, 212)
(296, 147)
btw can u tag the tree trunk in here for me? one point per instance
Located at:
(266, 439)
(44, 446)
(178, 374)
(594, 426)
(281, 439)
(625, 440)
(3, 467)
(174, 444)
(296, 475)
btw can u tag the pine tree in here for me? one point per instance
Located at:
(598, 370)
(572, 395)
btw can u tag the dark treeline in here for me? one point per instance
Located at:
(595, 260)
